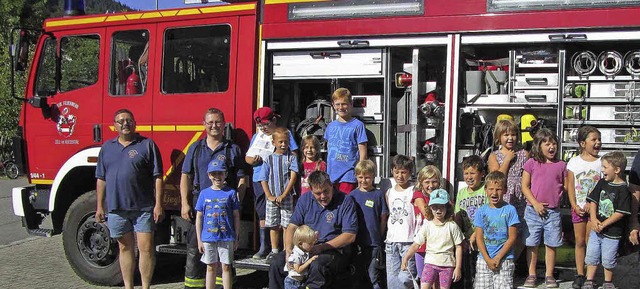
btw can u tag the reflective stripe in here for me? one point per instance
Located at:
(194, 283)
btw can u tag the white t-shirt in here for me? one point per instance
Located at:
(297, 257)
(585, 176)
(401, 226)
(441, 242)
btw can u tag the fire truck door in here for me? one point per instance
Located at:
(127, 67)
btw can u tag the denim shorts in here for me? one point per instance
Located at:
(122, 222)
(536, 227)
(601, 248)
(290, 283)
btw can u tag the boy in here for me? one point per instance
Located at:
(372, 212)
(468, 200)
(496, 231)
(278, 176)
(609, 202)
(400, 224)
(346, 142)
(218, 224)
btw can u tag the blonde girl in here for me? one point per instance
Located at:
(443, 240)
(543, 182)
(311, 160)
(583, 172)
(429, 179)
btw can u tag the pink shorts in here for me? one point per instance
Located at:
(575, 218)
(432, 274)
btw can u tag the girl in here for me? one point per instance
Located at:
(509, 159)
(260, 147)
(542, 184)
(428, 180)
(583, 172)
(443, 239)
(311, 160)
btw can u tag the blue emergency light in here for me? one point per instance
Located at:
(73, 7)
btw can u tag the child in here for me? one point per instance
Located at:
(496, 229)
(260, 148)
(372, 222)
(510, 159)
(346, 142)
(311, 160)
(401, 226)
(542, 185)
(468, 200)
(304, 238)
(583, 172)
(428, 180)
(609, 203)
(443, 239)
(218, 225)
(278, 176)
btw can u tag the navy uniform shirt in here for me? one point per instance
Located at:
(129, 173)
(206, 155)
(370, 207)
(336, 218)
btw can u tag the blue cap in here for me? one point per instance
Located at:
(216, 166)
(439, 197)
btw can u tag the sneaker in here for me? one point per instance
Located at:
(530, 282)
(587, 285)
(260, 254)
(270, 257)
(578, 282)
(608, 285)
(550, 282)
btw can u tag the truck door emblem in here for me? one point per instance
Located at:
(66, 120)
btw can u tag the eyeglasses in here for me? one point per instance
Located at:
(124, 120)
(212, 123)
(262, 124)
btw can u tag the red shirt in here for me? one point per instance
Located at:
(307, 169)
(419, 217)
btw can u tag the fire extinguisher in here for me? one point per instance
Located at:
(133, 84)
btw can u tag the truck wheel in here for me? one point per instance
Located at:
(11, 170)
(92, 254)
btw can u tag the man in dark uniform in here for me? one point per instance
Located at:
(129, 175)
(194, 178)
(333, 215)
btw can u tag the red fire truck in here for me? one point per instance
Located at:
(429, 78)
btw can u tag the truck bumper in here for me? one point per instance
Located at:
(31, 205)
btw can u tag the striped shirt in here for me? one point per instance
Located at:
(276, 171)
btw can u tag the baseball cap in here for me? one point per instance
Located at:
(439, 197)
(263, 115)
(216, 166)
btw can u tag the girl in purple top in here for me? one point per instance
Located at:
(542, 185)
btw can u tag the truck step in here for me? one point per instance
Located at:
(250, 263)
(177, 249)
(41, 232)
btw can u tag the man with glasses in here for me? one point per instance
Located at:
(129, 175)
(195, 178)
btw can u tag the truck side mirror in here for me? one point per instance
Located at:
(21, 51)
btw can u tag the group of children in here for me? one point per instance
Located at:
(420, 232)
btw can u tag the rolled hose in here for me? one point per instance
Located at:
(632, 62)
(584, 62)
(610, 62)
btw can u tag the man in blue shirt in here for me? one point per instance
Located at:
(129, 175)
(333, 215)
(195, 178)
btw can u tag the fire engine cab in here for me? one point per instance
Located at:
(429, 79)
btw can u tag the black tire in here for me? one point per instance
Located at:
(92, 254)
(11, 170)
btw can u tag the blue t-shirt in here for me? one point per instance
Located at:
(256, 168)
(129, 173)
(495, 223)
(370, 207)
(276, 170)
(336, 218)
(206, 155)
(342, 149)
(217, 208)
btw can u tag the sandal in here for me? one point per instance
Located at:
(530, 282)
(550, 282)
